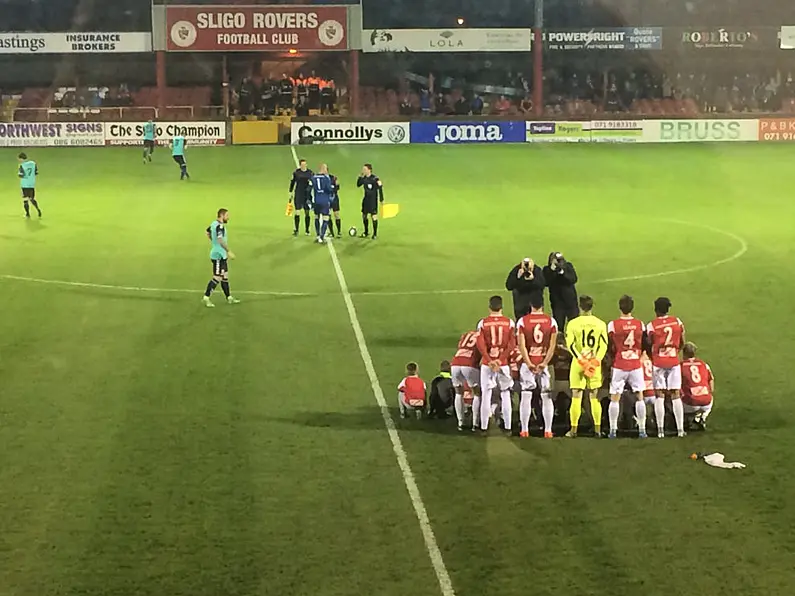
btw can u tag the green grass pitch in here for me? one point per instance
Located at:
(152, 447)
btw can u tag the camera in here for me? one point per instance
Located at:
(527, 269)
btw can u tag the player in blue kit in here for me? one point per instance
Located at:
(219, 255)
(149, 141)
(178, 153)
(301, 185)
(323, 191)
(28, 170)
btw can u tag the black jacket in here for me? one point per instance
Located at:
(442, 394)
(561, 284)
(523, 289)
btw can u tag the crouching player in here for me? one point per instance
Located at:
(411, 392)
(466, 372)
(537, 333)
(698, 386)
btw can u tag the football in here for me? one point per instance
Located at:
(352, 231)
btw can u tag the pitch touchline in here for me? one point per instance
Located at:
(428, 535)
(742, 249)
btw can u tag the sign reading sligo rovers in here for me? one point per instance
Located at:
(256, 28)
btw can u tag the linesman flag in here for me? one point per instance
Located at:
(288, 211)
(389, 210)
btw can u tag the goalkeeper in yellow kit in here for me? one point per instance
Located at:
(586, 339)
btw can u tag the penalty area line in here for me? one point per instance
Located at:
(432, 546)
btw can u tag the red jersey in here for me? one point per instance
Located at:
(497, 339)
(648, 375)
(537, 330)
(467, 353)
(626, 342)
(413, 390)
(665, 334)
(696, 382)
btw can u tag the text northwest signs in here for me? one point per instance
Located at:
(256, 28)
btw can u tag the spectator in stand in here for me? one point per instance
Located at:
(302, 107)
(245, 98)
(286, 87)
(461, 107)
(613, 100)
(425, 102)
(477, 105)
(313, 91)
(441, 106)
(327, 96)
(526, 107)
(301, 86)
(406, 108)
(502, 105)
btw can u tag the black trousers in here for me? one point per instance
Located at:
(563, 313)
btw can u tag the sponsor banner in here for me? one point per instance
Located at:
(621, 38)
(372, 133)
(195, 133)
(75, 43)
(686, 131)
(616, 131)
(758, 38)
(468, 132)
(51, 134)
(787, 37)
(447, 40)
(233, 28)
(558, 132)
(777, 129)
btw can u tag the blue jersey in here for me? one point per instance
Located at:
(28, 170)
(178, 146)
(149, 131)
(217, 232)
(322, 188)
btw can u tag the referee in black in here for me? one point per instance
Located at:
(373, 194)
(301, 185)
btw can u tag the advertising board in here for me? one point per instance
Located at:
(195, 133)
(367, 133)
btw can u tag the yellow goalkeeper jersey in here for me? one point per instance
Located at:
(587, 334)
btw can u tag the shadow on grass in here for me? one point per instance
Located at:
(368, 419)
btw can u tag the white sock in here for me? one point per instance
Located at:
(475, 411)
(459, 408)
(640, 414)
(612, 412)
(525, 408)
(705, 412)
(548, 410)
(679, 414)
(485, 413)
(507, 408)
(659, 414)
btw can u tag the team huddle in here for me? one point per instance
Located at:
(319, 192)
(641, 362)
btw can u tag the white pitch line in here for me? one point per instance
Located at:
(435, 554)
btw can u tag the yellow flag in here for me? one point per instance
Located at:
(389, 210)
(288, 211)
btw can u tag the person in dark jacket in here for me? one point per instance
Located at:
(524, 281)
(561, 279)
(442, 392)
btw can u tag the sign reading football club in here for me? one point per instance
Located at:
(447, 40)
(624, 38)
(75, 43)
(233, 28)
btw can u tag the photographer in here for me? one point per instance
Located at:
(561, 280)
(524, 281)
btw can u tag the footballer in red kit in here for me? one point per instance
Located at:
(465, 372)
(698, 385)
(495, 343)
(537, 334)
(666, 335)
(625, 336)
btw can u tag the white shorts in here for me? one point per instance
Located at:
(530, 380)
(465, 374)
(621, 378)
(491, 380)
(667, 379)
(696, 409)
